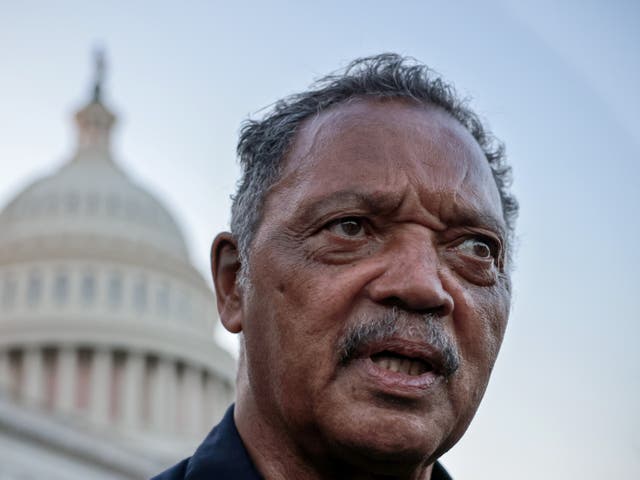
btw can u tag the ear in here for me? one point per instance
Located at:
(225, 265)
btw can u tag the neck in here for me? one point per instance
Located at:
(279, 454)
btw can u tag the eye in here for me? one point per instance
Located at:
(350, 227)
(478, 247)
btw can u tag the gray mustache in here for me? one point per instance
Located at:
(394, 322)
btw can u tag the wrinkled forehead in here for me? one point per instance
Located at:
(386, 144)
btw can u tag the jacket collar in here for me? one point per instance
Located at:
(224, 453)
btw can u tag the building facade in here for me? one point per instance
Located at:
(108, 368)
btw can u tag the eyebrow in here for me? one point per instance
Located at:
(470, 216)
(371, 202)
(464, 215)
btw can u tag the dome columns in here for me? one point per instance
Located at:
(193, 388)
(67, 379)
(33, 375)
(101, 386)
(132, 388)
(5, 373)
(103, 319)
(162, 393)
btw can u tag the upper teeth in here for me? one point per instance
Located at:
(407, 366)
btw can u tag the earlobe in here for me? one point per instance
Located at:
(225, 266)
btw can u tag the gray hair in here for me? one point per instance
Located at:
(264, 143)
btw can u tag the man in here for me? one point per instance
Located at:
(367, 271)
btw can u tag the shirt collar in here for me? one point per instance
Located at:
(224, 453)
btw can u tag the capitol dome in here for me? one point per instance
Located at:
(90, 196)
(103, 318)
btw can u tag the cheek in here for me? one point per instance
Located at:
(479, 321)
(294, 316)
(314, 300)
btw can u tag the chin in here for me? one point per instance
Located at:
(388, 441)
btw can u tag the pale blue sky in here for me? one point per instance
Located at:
(556, 80)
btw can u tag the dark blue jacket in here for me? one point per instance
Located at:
(222, 456)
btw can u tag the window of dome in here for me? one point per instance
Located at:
(61, 288)
(34, 289)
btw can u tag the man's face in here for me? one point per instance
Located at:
(378, 296)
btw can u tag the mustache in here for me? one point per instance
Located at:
(393, 323)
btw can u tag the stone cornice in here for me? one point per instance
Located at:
(166, 340)
(48, 248)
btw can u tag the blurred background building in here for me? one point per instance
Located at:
(108, 367)
(557, 81)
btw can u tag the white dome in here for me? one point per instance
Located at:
(90, 196)
(101, 312)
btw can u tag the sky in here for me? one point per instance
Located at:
(557, 81)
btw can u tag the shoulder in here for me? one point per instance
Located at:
(177, 472)
(439, 473)
(222, 455)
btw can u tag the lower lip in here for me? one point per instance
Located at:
(397, 383)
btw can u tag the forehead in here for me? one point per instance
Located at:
(392, 147)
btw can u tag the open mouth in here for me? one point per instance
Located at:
(395, 362)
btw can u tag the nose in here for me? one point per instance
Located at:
(411, 279)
